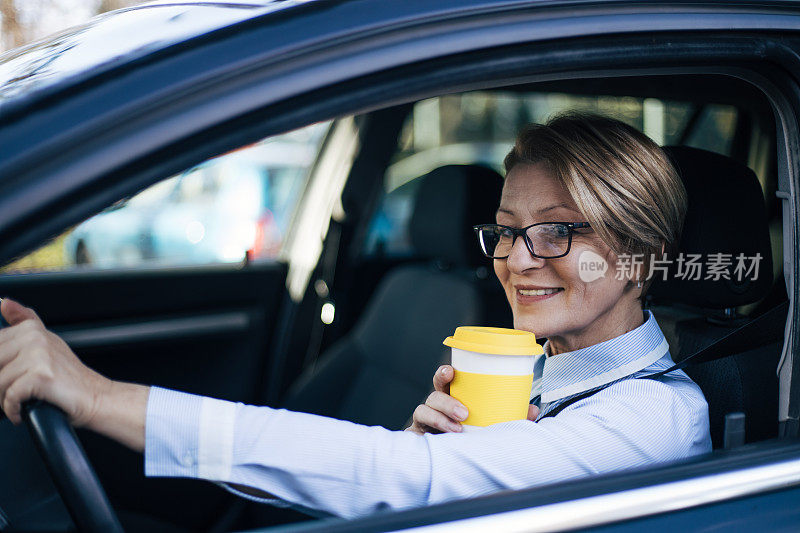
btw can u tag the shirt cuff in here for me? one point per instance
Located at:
(188, 436)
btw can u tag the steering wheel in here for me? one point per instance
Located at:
(69, 467)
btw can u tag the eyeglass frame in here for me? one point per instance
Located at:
(523, 232)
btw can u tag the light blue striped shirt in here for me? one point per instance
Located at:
(324, 465)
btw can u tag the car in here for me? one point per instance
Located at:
(97, 116)
(216, 212)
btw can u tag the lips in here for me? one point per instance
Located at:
(528, 294)
(538, 292)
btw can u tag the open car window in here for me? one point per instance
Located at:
(480, 128)
(234, 207)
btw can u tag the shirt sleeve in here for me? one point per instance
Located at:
(172, 441)
(351, 470)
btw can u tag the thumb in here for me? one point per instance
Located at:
(14, 312)
(533, 412)
(442, 378)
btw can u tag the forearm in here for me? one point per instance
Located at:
(331, 465)
(121, 413)
(314, 462)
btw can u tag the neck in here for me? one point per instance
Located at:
(609, 325)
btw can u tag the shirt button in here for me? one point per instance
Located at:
(188, 460)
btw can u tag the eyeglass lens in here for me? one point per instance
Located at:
(547, 240)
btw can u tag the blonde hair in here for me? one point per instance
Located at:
(622, 181)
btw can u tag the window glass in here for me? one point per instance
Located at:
(480, 128)
(216, 212)
(714, 129)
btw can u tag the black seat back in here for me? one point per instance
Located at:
(726, 214)
(381, 370)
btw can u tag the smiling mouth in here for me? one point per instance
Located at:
(538, 292)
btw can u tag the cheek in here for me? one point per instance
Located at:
(606, 289)
(500, 269)
(584, 279)
(502, 273)
(568, 273)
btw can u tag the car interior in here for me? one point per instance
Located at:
(399, 269)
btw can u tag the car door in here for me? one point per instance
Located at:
(180, 285)
(328, 89)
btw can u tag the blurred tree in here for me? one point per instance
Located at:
(111, 5)
(26, 20)
(11, 31)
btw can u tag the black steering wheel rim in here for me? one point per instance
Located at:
(66, 461)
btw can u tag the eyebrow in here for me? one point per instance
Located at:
(549, 208)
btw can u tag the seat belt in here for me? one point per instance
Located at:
(560, 407)
(758, 332)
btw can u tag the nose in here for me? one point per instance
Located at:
(520, 259)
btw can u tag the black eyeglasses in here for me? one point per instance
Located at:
(546, 240)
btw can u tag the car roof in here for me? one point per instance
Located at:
(119, 37)
(132, 35)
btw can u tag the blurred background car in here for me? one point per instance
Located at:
(229, 207)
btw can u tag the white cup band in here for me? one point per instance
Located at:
(493, 364)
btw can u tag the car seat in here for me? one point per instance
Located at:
(382, 369)
(726, 214)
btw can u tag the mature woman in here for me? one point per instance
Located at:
(579, 187)
(583, 168)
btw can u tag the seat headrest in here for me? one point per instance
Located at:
(451, 199)
(726, 214)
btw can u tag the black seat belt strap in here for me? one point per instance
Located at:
(758, 332)
(569, 402)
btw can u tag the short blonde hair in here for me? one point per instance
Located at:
(622, 181)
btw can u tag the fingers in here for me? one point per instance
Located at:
(19, 391)
(36, 363)
(533, 412)
(429, 418)
(27, 333)
(10, 347)
(21, 379)
(447, 405)
(414, 428)
(442, 378)
(15, 312)
(11, 373)
(441, 412)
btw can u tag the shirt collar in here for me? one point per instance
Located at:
(571, 373)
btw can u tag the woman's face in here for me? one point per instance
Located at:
(579, 313)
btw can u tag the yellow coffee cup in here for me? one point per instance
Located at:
(493, 373)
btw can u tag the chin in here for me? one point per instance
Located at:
(539, 326)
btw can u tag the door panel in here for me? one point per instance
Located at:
(205, 331)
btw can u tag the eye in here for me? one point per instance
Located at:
(581, 231)
(557, 231)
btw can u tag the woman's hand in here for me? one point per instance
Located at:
(443, 413)
(36, 363)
